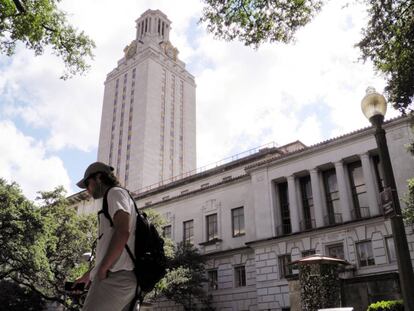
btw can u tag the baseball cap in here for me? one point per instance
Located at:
(96, 167)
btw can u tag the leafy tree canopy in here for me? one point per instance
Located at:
(388, 41)
(257, 21)
(41, 244)
(39, 24)
(388, 38)
(185, 280)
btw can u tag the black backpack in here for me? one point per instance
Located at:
(149, 258)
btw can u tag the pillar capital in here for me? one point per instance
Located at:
(339, 163)
(290, 177)
(314, 170)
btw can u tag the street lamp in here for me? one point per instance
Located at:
(374, 107)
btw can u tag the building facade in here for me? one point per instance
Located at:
(254, 216)
(149, 104)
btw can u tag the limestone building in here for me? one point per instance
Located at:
(148, 131)
(254, 215)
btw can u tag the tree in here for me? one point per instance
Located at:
(18, 298)
(388, 38)
(408, 212)
(21, 230)
(184, 281)
(39, 24)
(389, 43)
(42, 244)
(256, 21)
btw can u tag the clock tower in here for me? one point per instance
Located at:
(148, 129)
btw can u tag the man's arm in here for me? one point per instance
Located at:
(117, 243)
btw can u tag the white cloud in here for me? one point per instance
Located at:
(310, 90)
(24, 161)
(250, 97)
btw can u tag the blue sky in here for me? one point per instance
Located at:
(309, 90)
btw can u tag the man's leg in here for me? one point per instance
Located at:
(111, 294)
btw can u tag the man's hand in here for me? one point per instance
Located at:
(83, 279)
(102, 273)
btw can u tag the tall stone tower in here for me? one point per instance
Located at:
(148, 129)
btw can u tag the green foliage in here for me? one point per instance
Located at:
(408, 212)
(158, 221)
(184, 281)
(256, 21)
(389, 305)
(320, 286)
(23, 298)
(42, 244)
(388, 41)
(39, 24)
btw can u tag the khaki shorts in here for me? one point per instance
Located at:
(114, 293)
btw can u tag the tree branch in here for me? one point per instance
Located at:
(33, 288)
(19, 6)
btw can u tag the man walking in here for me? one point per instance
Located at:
(113, 281)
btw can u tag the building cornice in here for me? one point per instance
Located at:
(325, 144)
(194, 192)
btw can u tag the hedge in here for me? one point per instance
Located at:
(389, 305)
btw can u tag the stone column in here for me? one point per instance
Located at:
(344, 191)
(370, 185)
(293, 204)
(317, 197)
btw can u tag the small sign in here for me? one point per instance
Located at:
(386, 201)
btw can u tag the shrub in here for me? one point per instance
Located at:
(388, 305)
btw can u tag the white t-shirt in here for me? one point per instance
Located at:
(118, 199)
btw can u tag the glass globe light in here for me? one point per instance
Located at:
(373, 104)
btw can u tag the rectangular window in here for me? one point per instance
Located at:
(212, 229)
(284, 208)
(166, 232)
(188, 231)
(284, 268)
(335, 251)
(365, 254)
(392, 255)
(333, 215)
(308, 252)
(212, 278)
(237, 216)
(359, 190)
(307, 202)
(240, 276)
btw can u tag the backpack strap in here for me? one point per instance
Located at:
(104, 209)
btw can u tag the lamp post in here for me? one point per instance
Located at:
(374, 107)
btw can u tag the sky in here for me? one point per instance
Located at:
(309, 90)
